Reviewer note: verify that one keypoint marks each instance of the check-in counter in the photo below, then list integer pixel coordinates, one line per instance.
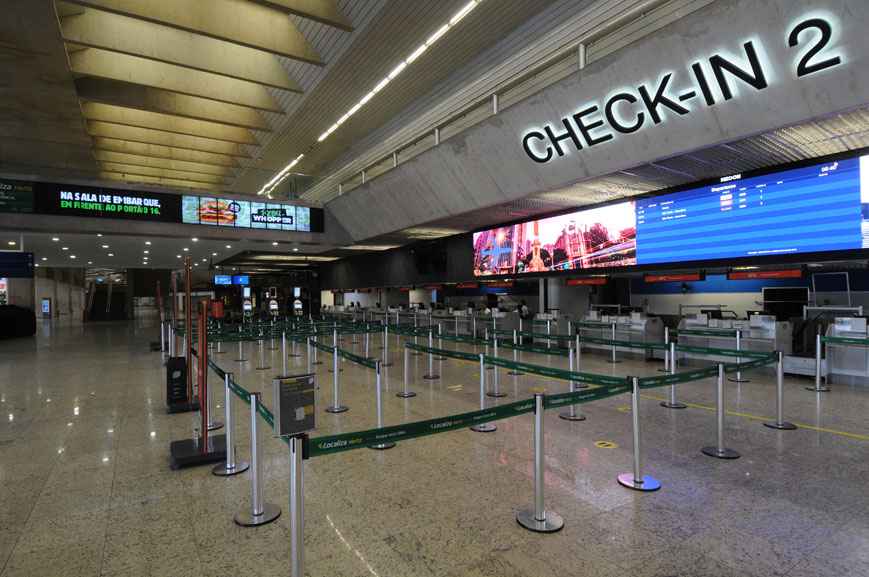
(634, 327)
(847, 363)
(758, 333)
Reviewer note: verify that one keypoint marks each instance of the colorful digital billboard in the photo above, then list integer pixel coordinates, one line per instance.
(819, 208)
(245, 214)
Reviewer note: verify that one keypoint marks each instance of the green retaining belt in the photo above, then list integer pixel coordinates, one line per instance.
(359, 359)
(846, 341)
(722, 352)
(328, 445)
(322, 347)
(586, 378)
(462, 339)
(708, 332)
(460, 355)
(675, 379)
(624, 344)
(540, 349)
(585, 396)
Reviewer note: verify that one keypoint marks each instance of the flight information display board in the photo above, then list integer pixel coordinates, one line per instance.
(74, 200)
(16, 196)
(809, 209)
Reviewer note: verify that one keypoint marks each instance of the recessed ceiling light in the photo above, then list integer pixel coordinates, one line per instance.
(45, 258)
(214, 254)
(185, 249)
(111, 254)
(148, 242)
(146, 252)
(274, 244)
(194, 239)
(99, 234)
(229, 246)
(55, 239)
(205, 260)
(72, 256)
(177, 256)
(37, 264)
(195, 264)
(64, 248)
(295, 249)
(105, 246)
(11, 243)
(90, 262)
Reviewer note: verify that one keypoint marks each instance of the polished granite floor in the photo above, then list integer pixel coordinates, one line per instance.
(85, 487)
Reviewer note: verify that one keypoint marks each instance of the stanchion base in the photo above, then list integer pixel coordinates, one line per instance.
(239, 360)
(293, 355)
(386, 364)
(735, 380)
(676, 405)
(222, 471)
(269, 514)
(783, 426)
(273, 349)
(406, 395)
(515, 373)
(317, 363)
(567, 416)
(263, 368)
(495, 395)
(219, 352)
(188, 452)
(484, 428)
(382, 446)
(552, 523)
(415, 354)
(724, 454)
(183, 407)
(490, 368)
(440, 358)
(648, 483)
(613, 362)
(431, 377)
(339, 370)
(215, 425)
(338, 409)
(823, 389)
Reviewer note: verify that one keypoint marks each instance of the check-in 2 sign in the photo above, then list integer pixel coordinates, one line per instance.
(627, 111)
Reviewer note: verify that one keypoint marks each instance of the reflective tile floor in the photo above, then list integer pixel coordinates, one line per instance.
(85, 487)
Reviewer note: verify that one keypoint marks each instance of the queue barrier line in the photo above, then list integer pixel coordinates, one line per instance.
(707, 332)
(845, 341)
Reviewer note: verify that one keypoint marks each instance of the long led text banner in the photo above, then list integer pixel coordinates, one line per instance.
(74, 200)
(819, 208)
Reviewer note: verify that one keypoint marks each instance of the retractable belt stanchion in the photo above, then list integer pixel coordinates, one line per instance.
(666, 368)
(308, 348)
(571, 413)
(779, 422)
(474, 326)
(163, 347)
(483, 427)
(240, 358)
(415, 337)
(636, 480)
(521, 336)
(440, 342)
(262, 354)
(496, 385)
(335, 349)
(283, 352)
(613, 359)
(367, 339)
(538, 519)
(385, 362)
(336, 407)
(430, 376)
(738, 378)
(272, 346)
(231, 466)
(314, 349)
(579, 360)
(720, 451)
(548, 333)
(260, 512)
(379, 385)
(820, 385)
(672, 403)
(213, 424)
(297, 507)
(515, 372)
(293, 353)
(406, 394)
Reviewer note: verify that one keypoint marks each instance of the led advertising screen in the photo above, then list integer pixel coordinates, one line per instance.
(810, 209)
(245, 214)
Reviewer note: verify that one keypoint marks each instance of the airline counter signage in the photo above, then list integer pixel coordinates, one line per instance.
(765, 274)
(745, 66)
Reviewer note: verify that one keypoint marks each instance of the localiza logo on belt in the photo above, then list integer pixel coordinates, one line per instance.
(628, 110)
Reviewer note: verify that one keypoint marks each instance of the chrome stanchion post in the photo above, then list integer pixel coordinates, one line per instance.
(335, 350)
(308, 348)
(297, 507)
(666, 368)
(440, 342)
(635, 479)
(820, 386)
(548, 333)
(521, 336)
(738, 378)
(262, 355)
(367, 340)
(579, 359)
(613, 359)
(720, 451)
(779, 422)
(538, 519)
(406, 394)
(336, 407)
(483, 427)
(496, 385)
(283, 352)
(240, 358)
(260, 512)
(571, 414)
(231, 466)
(162, 336)
(315, 350)
(385, 362)
(474, 326)
(515, 372)
(212, 424)
(672, 403)
(430, 376)
(386, 444)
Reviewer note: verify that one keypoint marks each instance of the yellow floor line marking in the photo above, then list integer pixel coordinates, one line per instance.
(857, 436)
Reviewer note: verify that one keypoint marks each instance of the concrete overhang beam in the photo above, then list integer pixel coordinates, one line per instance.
(149, 136)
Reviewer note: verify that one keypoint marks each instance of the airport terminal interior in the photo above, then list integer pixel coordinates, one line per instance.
(415, 288)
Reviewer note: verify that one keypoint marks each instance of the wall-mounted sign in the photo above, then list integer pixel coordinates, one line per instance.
(16, 196)
(682, 277)
(720, 78)
(764, 274)
(294, 401)
(587, 281)
(499, 284)
(90, 201)
(241, 279)
(222, 279)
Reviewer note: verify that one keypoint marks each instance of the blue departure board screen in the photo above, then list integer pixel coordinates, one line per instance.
(811, 209)
(808, 209)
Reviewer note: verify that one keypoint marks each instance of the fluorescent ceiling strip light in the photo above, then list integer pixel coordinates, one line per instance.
(463, 12)
(279, 178)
